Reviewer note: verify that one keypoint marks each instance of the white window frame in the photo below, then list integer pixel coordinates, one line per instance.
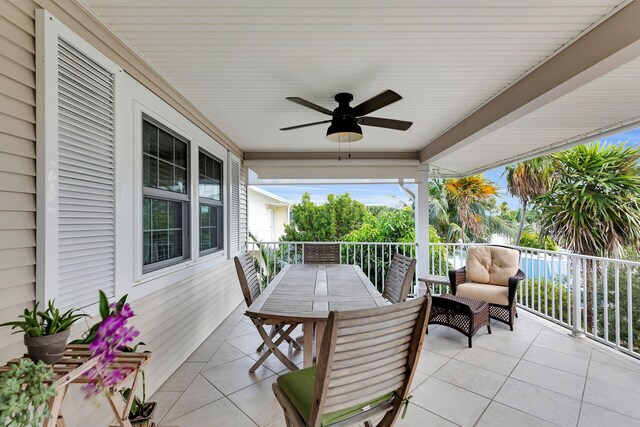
(158, 194)
(132, 100)
(222, 203)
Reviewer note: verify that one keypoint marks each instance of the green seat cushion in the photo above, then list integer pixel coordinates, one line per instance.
(298, 386)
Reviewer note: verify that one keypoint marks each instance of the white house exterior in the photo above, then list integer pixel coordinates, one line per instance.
(268, 214)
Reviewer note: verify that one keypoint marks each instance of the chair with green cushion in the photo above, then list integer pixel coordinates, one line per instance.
(365, 367)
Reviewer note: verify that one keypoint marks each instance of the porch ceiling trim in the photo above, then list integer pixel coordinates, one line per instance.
(346, 169)
(331, 155)
(82, 20)
(609, 45)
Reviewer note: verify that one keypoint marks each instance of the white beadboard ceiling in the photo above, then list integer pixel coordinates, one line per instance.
(604, 103)
(238, 60)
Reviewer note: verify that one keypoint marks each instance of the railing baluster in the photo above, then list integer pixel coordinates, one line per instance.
(375, 269)
(527, 278)
(585, 300)
(594, 297)
(553, 286)
(561, 288)
(538, 265)
(617, 301)
(383, 267)
(570, 290)
(605, 300)
(546, 286)
(369, 261)
(629, 308)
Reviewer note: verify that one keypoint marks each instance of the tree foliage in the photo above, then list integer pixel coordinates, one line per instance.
(593, 204)
(525, 181)
(533, 240)
(327, 222)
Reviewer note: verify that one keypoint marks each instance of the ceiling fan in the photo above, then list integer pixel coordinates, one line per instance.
(346, 120)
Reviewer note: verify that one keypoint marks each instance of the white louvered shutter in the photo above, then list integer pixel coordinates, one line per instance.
(86, 178)
(234, 205)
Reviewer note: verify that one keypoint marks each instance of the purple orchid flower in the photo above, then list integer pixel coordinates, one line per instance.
(112, 336)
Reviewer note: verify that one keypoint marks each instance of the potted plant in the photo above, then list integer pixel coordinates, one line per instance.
(106, 310)
(45, 332)
(141, 413)
(24, 392)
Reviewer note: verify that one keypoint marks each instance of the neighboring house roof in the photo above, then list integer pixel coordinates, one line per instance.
(277, 199)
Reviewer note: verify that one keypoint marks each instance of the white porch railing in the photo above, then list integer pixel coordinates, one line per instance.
(589, 295)
(373, 257)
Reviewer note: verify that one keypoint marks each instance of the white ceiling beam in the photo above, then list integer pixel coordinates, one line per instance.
(606, 47)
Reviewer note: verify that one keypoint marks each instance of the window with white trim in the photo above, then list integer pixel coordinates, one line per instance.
(211, 204)
(166, 196)
(113, 215)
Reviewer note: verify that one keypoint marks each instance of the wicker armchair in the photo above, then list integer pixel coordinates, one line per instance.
(321, 253)
(492, 274)
(399, 278)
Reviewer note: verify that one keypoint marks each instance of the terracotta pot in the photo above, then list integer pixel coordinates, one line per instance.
(49, 348)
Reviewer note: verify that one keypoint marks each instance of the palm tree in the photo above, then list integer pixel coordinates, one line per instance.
(525, 181)
(467, 196)
(593, 204)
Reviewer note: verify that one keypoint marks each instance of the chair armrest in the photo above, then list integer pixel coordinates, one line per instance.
(457, 277)
(513, 284)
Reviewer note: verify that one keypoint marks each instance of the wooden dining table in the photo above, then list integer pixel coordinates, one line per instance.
(306, 293)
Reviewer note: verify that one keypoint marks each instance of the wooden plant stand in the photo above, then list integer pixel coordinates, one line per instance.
(71, 369)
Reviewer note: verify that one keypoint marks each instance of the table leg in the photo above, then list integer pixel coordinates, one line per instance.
(308, 344)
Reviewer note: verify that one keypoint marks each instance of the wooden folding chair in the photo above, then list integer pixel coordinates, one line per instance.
(366, 364)
(399, 278)
(280, 330)
(321, 253)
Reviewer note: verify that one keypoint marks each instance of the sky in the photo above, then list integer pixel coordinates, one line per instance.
(392, 195)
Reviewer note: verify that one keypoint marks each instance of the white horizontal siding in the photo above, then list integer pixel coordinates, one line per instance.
(17, 168)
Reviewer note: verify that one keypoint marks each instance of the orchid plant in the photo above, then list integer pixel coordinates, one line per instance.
(111, 337)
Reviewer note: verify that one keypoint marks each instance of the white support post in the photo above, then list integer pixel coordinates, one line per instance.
(422, 224)
(576, 330)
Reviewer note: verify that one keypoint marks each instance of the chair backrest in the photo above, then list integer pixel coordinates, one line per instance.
(248, 277)
(326, 253)
(399, 278)
(367, 354)
(492, 264)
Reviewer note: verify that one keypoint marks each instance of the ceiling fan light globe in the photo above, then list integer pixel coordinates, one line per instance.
(344, 132)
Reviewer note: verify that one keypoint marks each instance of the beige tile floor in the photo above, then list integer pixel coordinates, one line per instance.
(535, 376)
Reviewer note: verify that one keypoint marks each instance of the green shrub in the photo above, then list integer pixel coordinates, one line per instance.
(24, 393)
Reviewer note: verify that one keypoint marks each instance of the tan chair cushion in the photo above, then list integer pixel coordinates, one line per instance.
(491, 264)
(492, 294)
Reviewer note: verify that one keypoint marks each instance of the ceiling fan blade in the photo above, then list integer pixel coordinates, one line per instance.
(311, 105)
(385, 123)
(372, 104)
(305, 125)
